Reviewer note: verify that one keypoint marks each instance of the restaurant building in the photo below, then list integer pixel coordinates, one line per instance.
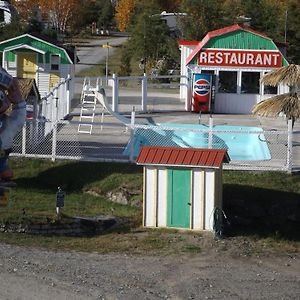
(222, 73)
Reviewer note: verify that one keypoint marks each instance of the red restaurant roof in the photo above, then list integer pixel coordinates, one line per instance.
(188, 157)
(188, 43)
(218, 32)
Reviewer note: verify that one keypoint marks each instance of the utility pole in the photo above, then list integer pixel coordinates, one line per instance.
(107, 46)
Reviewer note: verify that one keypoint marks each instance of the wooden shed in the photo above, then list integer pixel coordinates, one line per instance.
(182, 186)
(36, 57)
(32, 97)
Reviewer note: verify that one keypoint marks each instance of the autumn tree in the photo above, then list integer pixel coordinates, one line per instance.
(124, 12)
(59, 12)
(24, 7)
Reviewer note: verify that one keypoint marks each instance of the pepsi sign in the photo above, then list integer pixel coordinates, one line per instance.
(201, 92)
(202, 87)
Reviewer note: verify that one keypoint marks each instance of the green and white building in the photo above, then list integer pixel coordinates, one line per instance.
(237, 57)
(32, 56)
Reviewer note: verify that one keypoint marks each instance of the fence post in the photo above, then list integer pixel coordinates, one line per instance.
(54, 140)
(24, 139)
(68, 94)
(144, 92)
(57, 103)
(115, 93)
(44, 106)
(132, 129)
(210, 133)
(290, 147)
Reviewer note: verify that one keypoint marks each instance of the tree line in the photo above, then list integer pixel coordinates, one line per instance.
(151, 44)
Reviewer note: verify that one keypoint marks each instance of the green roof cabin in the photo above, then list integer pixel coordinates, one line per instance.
(36, 57)
(222, 72)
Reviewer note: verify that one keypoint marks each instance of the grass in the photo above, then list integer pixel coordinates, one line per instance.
(87, 184)
(34, 198)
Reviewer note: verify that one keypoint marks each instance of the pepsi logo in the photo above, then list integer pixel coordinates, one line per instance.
(202, 87)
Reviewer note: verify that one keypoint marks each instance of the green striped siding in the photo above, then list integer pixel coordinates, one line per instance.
(240, 39)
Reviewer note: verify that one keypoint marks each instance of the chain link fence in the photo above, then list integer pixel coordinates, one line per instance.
(114, 142)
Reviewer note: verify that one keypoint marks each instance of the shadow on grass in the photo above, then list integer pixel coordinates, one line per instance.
(72, 177)
(261, 212)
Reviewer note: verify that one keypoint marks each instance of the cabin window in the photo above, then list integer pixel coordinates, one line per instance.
(250, 83)
(55, 60)
(227, 82)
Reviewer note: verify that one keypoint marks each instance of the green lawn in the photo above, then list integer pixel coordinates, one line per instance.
(268, 200)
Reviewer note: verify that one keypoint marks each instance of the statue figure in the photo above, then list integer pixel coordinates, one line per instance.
(10, 122)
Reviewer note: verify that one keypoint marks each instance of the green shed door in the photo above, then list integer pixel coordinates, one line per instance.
(179, 192)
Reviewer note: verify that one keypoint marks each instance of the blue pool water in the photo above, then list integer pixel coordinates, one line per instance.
(240, 145)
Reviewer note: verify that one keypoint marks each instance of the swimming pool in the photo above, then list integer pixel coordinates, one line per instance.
(240, 143)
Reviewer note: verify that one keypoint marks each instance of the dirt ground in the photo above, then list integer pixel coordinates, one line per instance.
(211, 274)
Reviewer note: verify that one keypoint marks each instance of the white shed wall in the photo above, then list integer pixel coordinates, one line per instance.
(162, 177)
(150, 197)
(206, 195)
(198, 199)
(209, 199)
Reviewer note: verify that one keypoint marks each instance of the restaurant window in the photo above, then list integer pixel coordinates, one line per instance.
(227, 82)
(208, 72)
(270, 90)
(55, 60)
(250, 83)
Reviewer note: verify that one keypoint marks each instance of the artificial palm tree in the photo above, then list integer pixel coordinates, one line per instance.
(289, 103)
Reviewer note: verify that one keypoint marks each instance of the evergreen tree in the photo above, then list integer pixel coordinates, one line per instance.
(34, 23)
(13, 29)
(293, 32)
(125, 67)
(106, 14)
(202, 16)
(267, 16)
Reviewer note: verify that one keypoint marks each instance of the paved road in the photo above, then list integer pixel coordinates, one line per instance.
(93, 52)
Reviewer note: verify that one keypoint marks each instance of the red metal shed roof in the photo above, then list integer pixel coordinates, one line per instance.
(188, 157)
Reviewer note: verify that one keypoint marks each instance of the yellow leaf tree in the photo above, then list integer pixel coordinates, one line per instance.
(124, 12)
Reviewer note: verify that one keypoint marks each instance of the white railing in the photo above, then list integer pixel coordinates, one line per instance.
(142, 85)
(56, 103)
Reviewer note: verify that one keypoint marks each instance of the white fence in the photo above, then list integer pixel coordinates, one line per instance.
(52, 137)
(139, 87)
(56, 104)
(110, 142)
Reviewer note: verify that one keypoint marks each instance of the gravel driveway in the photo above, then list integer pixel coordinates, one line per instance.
(39, 274)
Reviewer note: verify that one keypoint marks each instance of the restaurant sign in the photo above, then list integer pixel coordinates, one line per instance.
(239, 58)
